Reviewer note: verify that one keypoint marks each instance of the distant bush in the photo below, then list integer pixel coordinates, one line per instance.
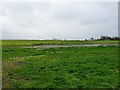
(109, 38)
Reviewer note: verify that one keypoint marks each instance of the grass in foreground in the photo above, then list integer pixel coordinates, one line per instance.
(71, 67)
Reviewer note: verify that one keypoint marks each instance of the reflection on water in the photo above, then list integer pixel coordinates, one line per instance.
(77, 45)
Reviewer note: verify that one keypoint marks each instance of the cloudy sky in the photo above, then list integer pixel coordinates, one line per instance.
(65, 20)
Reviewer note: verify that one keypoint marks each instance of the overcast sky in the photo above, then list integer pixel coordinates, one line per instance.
(65, 20)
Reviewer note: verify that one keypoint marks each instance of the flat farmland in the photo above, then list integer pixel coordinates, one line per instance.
(61, 67)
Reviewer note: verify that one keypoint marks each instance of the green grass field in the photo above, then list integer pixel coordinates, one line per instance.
(68, 67)
(42, 42)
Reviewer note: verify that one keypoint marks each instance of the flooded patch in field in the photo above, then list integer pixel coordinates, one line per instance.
(72, 45)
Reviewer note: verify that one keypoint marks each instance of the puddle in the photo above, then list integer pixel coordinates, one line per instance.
(77, 45)
(20, 63)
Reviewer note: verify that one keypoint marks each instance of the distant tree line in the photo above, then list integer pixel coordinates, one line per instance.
(106, 38)
(101, 38)
(109, 38)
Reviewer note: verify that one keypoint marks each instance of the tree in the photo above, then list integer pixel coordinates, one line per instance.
(92, 38)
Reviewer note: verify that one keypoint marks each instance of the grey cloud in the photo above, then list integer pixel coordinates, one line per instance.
(89, 13)
(58, 20)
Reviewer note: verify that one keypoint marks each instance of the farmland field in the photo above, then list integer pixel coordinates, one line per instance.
(62, 67)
